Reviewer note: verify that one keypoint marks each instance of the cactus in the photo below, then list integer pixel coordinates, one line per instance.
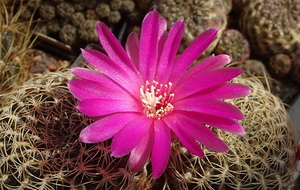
(53, 26)
(77, 18)
(271, 25)
(233, 44)
(68, 34)
(87, 30)
(264, 159)
(258, 69)
(47, 10)
(115, 4)
(280, 64)
(198, 17)
(127, 6)
(40, 147)
(114, 17)
(65, 10)
(228, 6)
(103, 10)
(65, 14)
(91, 15)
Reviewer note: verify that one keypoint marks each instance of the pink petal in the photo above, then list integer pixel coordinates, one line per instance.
(132, 47)
(140, 154)
(212, 107)
(222, 91)
(85, 89)
(162, 36)
(149, 45)
(209, 64)
(205, 80)
(106, 128)
(224, 123)
(88, 74)
(113, 47)
(192, 52)
(124, 77)
(97, 77)
(169, 51)
(98, 107)
(130, 136)
(161, 148)
(183, 135)
(203, 134)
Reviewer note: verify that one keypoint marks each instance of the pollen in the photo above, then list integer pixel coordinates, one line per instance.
(157, 99)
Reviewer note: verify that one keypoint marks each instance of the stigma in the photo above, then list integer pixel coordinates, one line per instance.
(157, 99)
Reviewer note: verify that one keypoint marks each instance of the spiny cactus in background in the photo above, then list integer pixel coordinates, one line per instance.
(40, 147)
(272, 26)
(198, 17)
(70, 17)
(280, 64)
(234, 44)
(15, 39)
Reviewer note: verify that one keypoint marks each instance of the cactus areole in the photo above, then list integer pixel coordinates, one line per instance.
(145, 95)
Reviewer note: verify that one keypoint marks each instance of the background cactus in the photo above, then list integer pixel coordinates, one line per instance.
(233, 44)
(64, 15)
(280, 64)
(198, 17)
(271, 26)
(15, 39)
(40, 147)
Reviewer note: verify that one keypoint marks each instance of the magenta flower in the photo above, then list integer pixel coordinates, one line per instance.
(145, 95)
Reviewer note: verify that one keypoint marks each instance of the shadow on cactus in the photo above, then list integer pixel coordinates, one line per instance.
(39, 148)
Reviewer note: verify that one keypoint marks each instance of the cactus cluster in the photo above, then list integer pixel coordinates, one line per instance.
(271, 26)
(198, 17)
(40, 147)
(273, 34)
(74, 20)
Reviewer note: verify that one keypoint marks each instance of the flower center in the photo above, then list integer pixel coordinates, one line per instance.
(157, 99)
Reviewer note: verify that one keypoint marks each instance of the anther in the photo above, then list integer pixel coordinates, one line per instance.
(157, 99)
